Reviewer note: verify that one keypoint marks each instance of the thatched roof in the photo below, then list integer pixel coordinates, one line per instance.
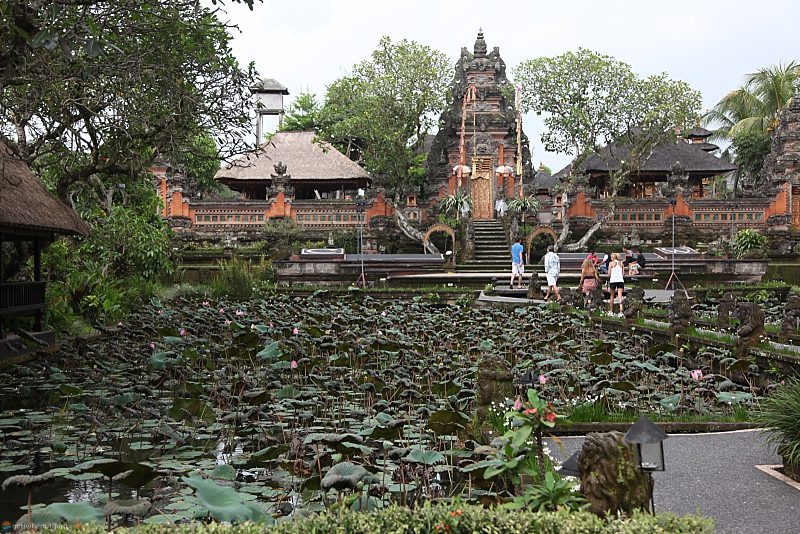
(692, 157)
(271, 85)
(305, 159)
(543, 180)
(25, 205)
(699, 131)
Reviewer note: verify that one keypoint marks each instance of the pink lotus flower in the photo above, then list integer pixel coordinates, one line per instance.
(152, 345)
(518, 404)
(380, 332)
(296, 331)
(294, 364)
(383, 314)
(205, 303)
(239, 313)
(543, 379)
(183, 332)
(697, 374)
(227, 322)
(222, 310)
(271, 325)
(160, 312)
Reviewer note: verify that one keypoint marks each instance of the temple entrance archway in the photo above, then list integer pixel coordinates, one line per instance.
(439, 227)
(537, 241)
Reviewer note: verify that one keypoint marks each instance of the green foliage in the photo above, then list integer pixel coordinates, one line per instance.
(552, 495)
(780, 416)
(754, 107)
(200, 162)
(302, 115)
(456, 205)
(452, 518)
(98, 86)
(100, 277)
(748, 243)
(590, 100)
(750, 149)
(529, 204)
(381, 111)
(281, 228)
(238, 277)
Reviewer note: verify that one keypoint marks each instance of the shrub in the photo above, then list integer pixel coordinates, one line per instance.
(780, 416)
(749, 243)
(237, 277)
(452, 519)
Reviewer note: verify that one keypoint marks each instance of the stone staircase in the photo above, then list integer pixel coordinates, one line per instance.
(492, 249)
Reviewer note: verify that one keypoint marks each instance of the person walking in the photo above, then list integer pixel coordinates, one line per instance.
(616, 280)
(590, 279)
(552, 268)
(517, 263)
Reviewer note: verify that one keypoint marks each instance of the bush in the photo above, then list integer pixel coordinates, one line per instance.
(451, 519)
(780, 416)
(749, 244)
(237, 278)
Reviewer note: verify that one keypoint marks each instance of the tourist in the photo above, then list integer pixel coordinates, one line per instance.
(590, 279)
(636, 263)
(552, 268)
(517, 263)
(594, 258)
(616, 271)
(602, 268)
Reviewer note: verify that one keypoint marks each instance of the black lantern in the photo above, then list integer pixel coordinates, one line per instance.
(570, 467)
(649, 440)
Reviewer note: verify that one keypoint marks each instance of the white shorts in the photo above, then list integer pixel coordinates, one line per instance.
(552, 279)
(517, 268)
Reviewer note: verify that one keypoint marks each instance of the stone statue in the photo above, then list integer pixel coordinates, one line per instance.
(611, 478)
(791, 315)
(634, 304)
(571, 297)
(726, 306)
(596, 299)
(281, 182)
(680, 313)
(751, 325)
(534, 288)
(495, 382)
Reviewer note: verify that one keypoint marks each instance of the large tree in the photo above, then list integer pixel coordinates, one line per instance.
(382, 110)
(96, 89)
(591, 101)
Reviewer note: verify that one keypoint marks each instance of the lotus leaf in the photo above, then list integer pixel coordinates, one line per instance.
(344, 475)
(222, 503)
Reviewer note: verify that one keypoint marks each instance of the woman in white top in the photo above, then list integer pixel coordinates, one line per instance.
(616, 271)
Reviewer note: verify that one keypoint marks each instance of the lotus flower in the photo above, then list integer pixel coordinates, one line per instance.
(183, 332)
(222, 310)
(294, 364)
(697, 374)
(227, 322)
(296, 331)
(543, 379)
(239, 313)
(205, 303)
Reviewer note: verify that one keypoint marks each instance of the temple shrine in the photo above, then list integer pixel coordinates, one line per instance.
(480, 147)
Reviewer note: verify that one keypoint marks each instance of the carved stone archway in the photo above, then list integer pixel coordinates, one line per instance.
(539, 230)
(440, 227)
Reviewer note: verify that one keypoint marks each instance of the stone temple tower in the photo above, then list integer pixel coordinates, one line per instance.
(475, 149)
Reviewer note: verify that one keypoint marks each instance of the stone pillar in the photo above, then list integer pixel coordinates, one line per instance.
(611, 478)
(726, 306)
(751, 326)
(495, 382)
(680, 314)
(791, 315)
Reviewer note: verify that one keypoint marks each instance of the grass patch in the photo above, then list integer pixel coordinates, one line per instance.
(596, 413)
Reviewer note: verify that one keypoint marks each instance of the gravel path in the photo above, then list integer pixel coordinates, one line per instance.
(715, 475)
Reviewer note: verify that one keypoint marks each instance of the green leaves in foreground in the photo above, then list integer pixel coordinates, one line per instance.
(224, 503)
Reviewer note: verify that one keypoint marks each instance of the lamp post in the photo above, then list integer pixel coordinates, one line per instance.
(361, 206)
(649, 440)
(268, 98)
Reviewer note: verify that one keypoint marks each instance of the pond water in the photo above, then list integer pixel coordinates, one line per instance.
(282, 389)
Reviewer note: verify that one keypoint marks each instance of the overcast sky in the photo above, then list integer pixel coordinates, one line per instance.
(711, 44)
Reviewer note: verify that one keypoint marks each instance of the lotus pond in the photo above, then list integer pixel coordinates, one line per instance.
(199, 406)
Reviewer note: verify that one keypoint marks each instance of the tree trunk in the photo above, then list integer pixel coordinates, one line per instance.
(411, 232)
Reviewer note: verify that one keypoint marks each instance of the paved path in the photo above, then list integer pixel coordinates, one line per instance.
(715, 475)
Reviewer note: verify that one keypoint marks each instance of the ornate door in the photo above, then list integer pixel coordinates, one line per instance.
(481, 188)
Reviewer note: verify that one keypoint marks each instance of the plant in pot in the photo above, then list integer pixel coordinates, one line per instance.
(780, 417)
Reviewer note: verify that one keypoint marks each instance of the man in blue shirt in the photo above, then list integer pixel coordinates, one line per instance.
(517, 263)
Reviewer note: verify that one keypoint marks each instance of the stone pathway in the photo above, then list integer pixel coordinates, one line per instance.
(715, 475)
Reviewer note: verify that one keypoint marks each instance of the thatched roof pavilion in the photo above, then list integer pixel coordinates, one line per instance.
(310, 163)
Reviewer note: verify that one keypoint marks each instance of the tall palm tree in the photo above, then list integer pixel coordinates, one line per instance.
(754, 107)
